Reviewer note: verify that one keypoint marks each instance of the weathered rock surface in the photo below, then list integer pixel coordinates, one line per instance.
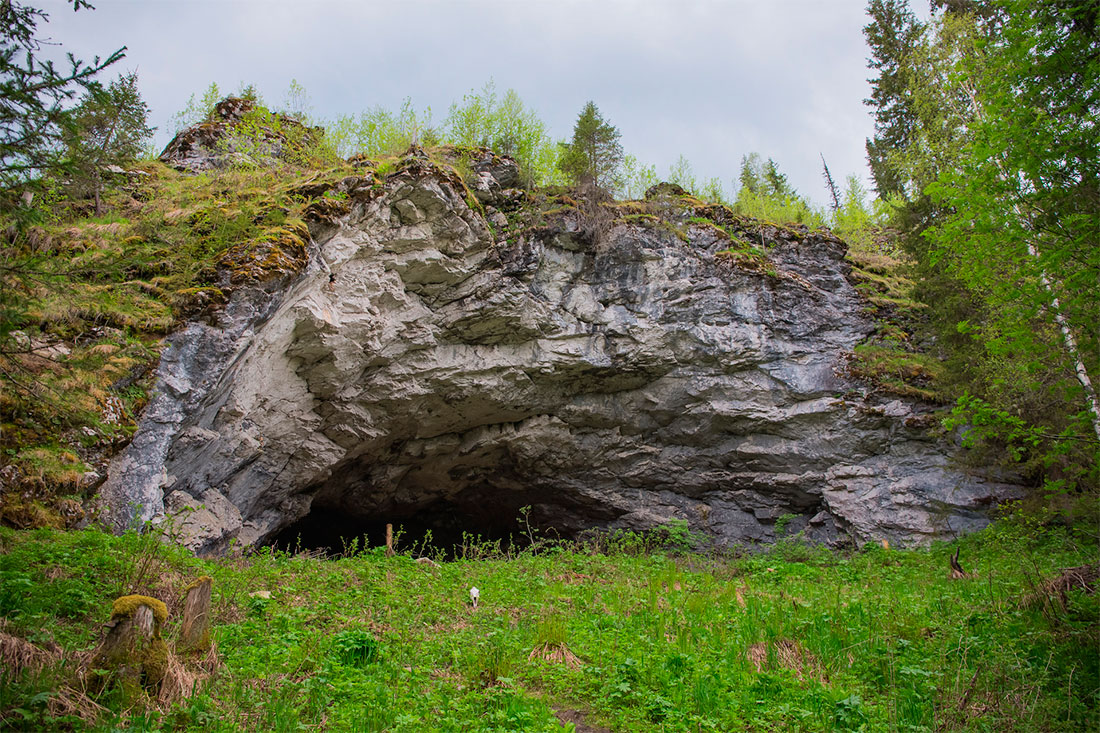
(220, 142)
(423, 365)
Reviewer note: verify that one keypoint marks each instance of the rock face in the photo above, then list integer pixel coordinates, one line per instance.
(607, 370)
(221, 141)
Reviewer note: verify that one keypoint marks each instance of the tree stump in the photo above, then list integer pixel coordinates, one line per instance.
(195, 629)
(957, 571)
(132, 655)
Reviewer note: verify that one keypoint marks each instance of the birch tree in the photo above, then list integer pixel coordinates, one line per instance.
(1013, 153)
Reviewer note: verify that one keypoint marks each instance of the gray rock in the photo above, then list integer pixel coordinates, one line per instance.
(205, 525)
(417, 368)
(219, 143)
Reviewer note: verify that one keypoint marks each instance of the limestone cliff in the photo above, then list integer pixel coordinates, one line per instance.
(440, 355)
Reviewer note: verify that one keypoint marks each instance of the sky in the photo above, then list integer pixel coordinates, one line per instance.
(711, 80)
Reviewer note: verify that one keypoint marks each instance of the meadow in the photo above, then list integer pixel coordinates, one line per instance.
(622, 632)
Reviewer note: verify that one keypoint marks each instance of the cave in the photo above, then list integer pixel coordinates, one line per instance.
(436, 530)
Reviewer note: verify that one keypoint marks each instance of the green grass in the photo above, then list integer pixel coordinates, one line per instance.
(796, 638)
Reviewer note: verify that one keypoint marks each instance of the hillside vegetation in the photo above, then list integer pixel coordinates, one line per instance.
(622, 632)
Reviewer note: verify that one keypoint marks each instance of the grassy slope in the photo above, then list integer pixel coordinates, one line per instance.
(795, 639)
(94, 297)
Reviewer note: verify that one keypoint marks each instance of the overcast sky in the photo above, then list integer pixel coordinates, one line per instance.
(709, 79)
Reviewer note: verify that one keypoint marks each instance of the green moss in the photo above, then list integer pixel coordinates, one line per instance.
(277, 252)
(127, 605)
(897, 371)
(197, 582)
(154, 661)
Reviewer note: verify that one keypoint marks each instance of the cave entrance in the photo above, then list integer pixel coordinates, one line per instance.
(439, 531)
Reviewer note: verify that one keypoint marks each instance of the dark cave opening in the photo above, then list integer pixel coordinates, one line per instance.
(444, 530)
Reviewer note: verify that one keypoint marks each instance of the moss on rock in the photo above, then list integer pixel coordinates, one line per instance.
(278, 252)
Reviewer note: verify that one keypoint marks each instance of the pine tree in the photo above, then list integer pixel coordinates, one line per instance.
(595, 155)
(33, 94)
(108, 128)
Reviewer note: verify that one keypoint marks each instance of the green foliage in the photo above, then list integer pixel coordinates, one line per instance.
(792, 639)
(992, 159)
(108, 127)
(766, 194)
(380, 132)
(33, 97)
(198, 110)
(356, 648)
(299, 145)
(296, 103)
(781, 210)
(595, 155)
(860, 223)
(507, 127)
(636, 178)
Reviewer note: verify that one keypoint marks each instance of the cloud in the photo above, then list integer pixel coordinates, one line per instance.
(708, 79)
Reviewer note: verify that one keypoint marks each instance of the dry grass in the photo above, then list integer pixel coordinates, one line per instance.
(69, 701)
(1082, 577)
(18, 654)
(787, 654)
(556, 653)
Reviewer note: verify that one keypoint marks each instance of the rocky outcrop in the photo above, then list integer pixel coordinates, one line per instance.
(239, 133)
(617, 367)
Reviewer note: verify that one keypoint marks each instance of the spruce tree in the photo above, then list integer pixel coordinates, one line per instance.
(892, 35)
(776, 183)
(33, 94)
(595, 156)
(108, 128)
(830, 184)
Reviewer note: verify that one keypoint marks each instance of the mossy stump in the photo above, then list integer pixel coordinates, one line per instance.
(133, 655)
(195, 628)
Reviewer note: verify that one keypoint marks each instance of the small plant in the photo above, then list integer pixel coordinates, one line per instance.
(356, 648)
(782, 523)
(676, 536)
(493, 664)
(550, 643)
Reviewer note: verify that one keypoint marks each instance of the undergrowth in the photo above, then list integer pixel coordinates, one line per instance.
(638, 632)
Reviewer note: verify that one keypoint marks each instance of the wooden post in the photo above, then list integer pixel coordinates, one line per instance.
(389, 540)
(133, 652)
(195, 629)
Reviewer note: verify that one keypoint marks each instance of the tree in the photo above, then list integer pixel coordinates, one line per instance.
(507, 126)
(996, 164)
(776, 182)
(108, 127)
(752, 173)
(595, 155)
(891, 35)
(830, 184)
(33, 93)
(763, 178)
(1023, 190)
